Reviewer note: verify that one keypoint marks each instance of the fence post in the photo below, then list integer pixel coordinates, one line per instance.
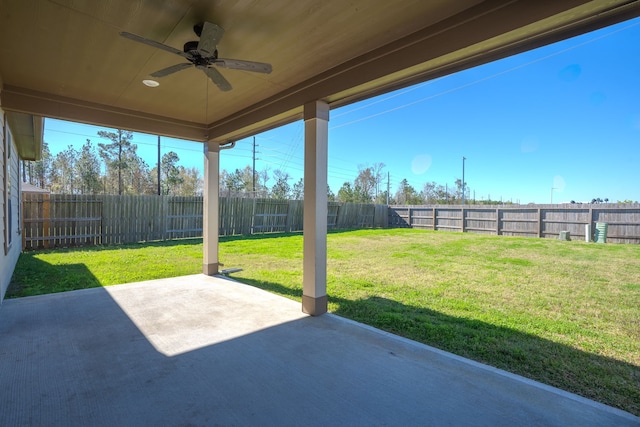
(539, 222)
(434, 218)
(409, 219)
(163, 217)
(24, 228)
(497, 221)
(287, 220)
(253, 217)
(462, 218)
(46, 214)
(389, 222)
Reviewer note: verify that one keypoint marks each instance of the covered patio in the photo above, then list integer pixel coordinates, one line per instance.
(70, 61)
(200, 351)
(204, 350)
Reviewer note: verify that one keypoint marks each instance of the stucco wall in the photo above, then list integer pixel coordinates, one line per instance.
(9, 190)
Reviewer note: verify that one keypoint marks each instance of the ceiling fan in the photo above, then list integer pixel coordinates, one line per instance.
(203, 55)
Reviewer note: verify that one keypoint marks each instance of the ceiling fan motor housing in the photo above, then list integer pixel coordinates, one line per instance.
(192, 48)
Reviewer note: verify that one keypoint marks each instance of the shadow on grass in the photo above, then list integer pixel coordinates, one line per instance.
(45, 278)
(175, 242)
(267, 236)
(154, 244)
(610, 381)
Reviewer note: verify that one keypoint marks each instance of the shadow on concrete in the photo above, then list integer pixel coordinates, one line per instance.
(611, 381)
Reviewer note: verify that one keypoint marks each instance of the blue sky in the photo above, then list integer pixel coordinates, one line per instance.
(565, 116)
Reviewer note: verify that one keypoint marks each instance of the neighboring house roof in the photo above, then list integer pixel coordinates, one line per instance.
(30, 188)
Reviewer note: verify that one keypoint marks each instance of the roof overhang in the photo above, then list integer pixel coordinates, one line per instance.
(335, 52)
(500, 30)
(27, 131)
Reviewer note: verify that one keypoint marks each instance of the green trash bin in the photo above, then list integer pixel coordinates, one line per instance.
(601, 232)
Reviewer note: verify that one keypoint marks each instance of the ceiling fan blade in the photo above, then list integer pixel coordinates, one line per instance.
(209, 39)
(171, 70)
(217, 78)
(238, 64)
(155, 44)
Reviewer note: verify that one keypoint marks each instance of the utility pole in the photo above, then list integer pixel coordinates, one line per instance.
(159, 191)
(388, 186)
(119, 162)
(463, 159)
(254, 167)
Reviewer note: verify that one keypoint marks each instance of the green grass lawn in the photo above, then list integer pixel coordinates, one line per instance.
(563, 313)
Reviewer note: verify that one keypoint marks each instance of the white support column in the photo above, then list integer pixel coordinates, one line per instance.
(316, 133)
(210, 226)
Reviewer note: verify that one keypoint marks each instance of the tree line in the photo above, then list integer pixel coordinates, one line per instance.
(111, 167)
(371, 185)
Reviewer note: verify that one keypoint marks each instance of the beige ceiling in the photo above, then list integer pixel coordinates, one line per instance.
(65, 58)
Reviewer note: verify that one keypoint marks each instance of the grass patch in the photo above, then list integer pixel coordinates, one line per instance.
(61, 270)
(563, 313)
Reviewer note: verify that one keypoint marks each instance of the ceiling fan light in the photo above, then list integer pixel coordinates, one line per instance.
(150, 83)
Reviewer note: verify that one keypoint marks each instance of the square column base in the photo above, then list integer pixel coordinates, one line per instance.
(314, 306)
(210, 269)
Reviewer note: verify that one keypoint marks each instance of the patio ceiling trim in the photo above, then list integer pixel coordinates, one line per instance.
(58, 107)
(431, 53)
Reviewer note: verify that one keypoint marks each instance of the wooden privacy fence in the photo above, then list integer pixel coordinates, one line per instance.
(55, 220)
(531, 220)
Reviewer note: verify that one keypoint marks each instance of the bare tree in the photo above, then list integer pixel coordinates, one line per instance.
(365, 182)
(63, 172)
(378, 175)
(281, 188)
(297, 192)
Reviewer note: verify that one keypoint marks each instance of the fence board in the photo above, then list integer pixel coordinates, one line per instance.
(530, 221)
(60, 220)
(74, 220)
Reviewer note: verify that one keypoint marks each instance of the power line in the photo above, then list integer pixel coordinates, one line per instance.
(394, 95)
(137, 142)
(254, 166)
(464, 86)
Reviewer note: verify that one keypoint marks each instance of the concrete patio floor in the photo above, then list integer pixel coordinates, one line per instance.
(200, 350)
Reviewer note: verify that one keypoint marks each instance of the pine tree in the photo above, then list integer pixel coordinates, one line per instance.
(88, 170)
(115, 153)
